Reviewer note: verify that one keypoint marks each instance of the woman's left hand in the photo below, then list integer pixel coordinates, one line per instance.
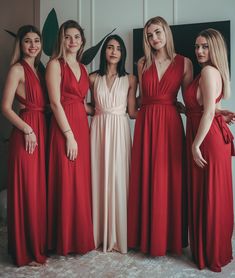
(180, 107)
(197, 157)
(228, 116)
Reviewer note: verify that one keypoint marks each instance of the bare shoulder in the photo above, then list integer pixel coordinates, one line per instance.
(141, 62)
(92, 77)
(132, 78)
(54, 64)
(53, 68)
(210, 72)
(187, 62)
(16, 71)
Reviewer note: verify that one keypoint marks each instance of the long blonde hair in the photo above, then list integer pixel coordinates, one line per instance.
(218, 56)
(59, 51)
(148, 50)
(18, 54)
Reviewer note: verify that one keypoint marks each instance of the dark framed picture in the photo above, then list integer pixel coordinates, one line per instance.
(184, 36)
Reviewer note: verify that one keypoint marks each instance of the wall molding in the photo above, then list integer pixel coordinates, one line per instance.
(79, 11)
(175, 11)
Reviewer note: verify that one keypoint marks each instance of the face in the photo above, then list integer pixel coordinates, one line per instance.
(202, 50)
(156, 36)
(113, 52)
(31, 45)
(72, 40)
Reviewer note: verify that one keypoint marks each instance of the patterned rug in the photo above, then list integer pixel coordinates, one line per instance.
(109, 265)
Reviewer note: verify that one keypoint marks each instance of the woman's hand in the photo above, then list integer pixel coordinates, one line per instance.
(180, 107)
(30, 142)
(71, 147)
(228, 116)
(197, 156)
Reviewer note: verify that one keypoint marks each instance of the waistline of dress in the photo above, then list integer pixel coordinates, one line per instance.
(157, 101)
(118, 110)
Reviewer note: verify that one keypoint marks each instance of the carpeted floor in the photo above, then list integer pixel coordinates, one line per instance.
(109, 265)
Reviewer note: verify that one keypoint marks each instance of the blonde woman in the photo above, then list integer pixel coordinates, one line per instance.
(69, 183)
(26, 167)
(157, 222)
(209, 146)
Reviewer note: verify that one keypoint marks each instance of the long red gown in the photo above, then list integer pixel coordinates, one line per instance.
(69, 182)
(157, 220)
(210, 188)
(27, 179)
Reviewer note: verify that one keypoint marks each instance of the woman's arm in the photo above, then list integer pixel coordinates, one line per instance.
(188, 74)
(140, 68)
(53, 80)
(91, 106)
(14, 82)
(131, 98)
(208, 92)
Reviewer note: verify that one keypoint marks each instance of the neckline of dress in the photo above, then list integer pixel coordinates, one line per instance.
(114, 81)
(27, 65)
(167, 69)
(77, 80)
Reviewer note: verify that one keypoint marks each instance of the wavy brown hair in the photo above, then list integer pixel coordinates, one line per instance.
(59, 49)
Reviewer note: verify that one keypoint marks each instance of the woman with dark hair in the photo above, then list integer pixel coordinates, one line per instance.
(209, 150)
(113, 93)
(26, 167)
(69, 186)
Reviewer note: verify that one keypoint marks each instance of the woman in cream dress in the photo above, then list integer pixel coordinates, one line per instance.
(113, 94)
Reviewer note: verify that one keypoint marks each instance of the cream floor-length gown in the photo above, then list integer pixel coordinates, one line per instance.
(110, 163)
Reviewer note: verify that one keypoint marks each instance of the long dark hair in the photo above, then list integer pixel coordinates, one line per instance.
(59, 50)
(121, 64)
(18, 54)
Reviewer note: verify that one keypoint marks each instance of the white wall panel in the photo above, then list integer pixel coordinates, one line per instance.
(162, 8)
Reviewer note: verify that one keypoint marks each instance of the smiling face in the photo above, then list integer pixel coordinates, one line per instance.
(113, 52)
(72, 40)
(202, 51)
(156, 36)
(31, 45)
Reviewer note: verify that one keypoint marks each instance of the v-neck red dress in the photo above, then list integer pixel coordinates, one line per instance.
(27, 179)
(157, 220)
(210, 188)
(69, 182)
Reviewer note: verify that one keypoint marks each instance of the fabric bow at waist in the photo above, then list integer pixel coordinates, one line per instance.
(157, 100)
(226, 133)
(68, 98)
(118, 110)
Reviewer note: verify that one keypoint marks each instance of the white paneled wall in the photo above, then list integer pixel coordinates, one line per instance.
(98, 17)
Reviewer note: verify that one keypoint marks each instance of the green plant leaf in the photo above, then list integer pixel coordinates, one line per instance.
(11, 33)
(49, 32)
(90, 53)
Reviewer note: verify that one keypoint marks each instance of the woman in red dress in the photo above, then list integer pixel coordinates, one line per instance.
(69, 183)
(157, 221)
(209, 149)
(26, 166)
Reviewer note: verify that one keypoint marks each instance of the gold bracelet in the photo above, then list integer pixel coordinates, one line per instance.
(31, 132)
(66, 131)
